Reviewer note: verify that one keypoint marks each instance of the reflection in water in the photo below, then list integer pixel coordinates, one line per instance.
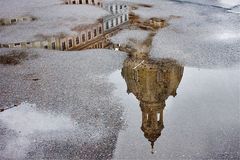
(152, 82)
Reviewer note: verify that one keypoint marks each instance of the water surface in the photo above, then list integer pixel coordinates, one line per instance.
(200, 122)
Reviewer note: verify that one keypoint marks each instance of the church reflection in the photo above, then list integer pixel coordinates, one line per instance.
(152, 82)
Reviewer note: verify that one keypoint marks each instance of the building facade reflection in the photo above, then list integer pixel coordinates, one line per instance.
(152, 82)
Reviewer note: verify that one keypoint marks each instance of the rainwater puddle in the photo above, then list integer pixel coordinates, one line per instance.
(201, 121)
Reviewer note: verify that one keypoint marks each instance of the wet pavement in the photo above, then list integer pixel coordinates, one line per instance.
(69, 113)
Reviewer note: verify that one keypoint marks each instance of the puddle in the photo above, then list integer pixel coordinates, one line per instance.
(176, 112)
(171, 111)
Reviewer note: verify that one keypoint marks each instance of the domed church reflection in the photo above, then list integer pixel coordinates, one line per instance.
(152, 82)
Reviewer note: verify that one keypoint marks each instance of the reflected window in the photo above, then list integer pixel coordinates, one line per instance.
(121, 19)
(74, 2)
(17, 44)
(158, 117)
(13, 20)
(116, 21)
(93, 2)
(63, 46)
(70, 43)
(77, 40)
(107, 25)
(95, 32)
(89, 35)
(86, 1)
(5, 45)
(112, 23)
(125, 17)
(83, 38)
(80, 1)
(53, 45)
(111, 8)
(100, 30)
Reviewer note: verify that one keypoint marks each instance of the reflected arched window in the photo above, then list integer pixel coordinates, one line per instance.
(63, 46)
(83, 38)
(70, 44)
(53, 45)
(100, 30)
(95, 33)
(89, 35)
(77, 40)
